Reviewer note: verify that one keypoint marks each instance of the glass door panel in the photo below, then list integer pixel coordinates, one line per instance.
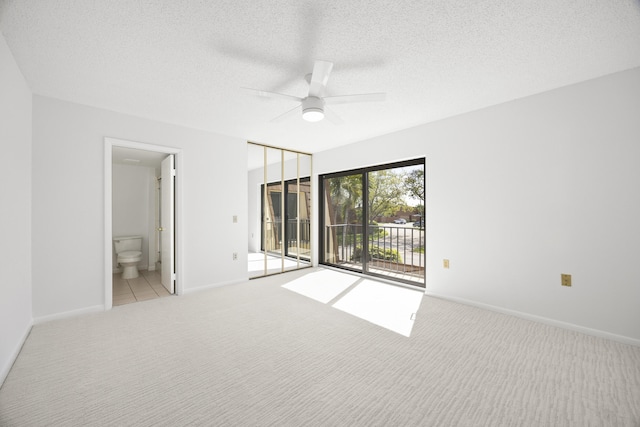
(299, 219)
(279, 215)
(256, 172)
(343, 233)
(272, 231)
(395, 203)
(272, 220)
(305, 198)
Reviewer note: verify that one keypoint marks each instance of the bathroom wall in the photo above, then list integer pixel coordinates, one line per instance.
(133, 212)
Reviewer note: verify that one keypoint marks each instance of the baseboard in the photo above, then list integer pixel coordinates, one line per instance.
(66, 314)
(548, 321)
(212, 286)
(7, 368)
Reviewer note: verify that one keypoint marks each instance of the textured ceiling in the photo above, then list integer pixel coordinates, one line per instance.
(184, 62)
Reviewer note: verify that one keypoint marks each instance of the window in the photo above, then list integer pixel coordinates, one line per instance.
(372, 221)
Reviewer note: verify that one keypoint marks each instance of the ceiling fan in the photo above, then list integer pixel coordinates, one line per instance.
(313, 106)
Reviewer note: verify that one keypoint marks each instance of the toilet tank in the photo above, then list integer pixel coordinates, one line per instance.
(127, 243)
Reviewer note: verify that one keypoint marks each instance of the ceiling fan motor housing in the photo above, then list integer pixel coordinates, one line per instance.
(313, 108)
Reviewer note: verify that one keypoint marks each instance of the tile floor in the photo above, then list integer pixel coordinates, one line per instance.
(146, 286)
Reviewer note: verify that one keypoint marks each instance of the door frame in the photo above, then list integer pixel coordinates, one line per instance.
(109, 143)
(364, 173)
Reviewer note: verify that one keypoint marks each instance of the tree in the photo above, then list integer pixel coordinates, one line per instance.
(414, 184)
(346, 195)
(385, 193)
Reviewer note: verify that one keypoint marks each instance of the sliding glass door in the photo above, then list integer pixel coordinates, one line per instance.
(271, 226)
(288, 214)
(343, 231)
(279, 210)
(298, 218)
(373, 221)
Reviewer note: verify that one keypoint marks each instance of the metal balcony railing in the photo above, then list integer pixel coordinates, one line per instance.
(390, 250)
(298, 241)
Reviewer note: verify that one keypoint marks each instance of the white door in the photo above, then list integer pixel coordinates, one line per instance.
(167, 224)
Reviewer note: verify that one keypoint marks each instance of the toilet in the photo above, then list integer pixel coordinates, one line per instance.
(128, 254)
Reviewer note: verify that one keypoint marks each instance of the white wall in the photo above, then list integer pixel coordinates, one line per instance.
(132, 205)
(524, 191)
(68, 202)
(15, 209)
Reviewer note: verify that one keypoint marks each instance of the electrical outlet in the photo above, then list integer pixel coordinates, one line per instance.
(235, 256)
(565, 280)
(235, 219)
(445, 263)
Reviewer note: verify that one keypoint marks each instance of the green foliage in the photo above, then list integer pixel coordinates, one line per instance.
(375, 232)
(388, 191)
(355, 237)
(346, 199)
(376, 252)
(385, 193)
(414, 184)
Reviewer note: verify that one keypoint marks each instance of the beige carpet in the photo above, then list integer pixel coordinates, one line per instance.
(257, 354)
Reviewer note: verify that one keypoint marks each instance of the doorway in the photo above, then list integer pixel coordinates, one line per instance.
(138, 204)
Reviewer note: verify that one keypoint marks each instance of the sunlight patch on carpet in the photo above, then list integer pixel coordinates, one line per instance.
(392, 307)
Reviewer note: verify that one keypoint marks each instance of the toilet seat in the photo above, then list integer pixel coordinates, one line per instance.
(129, 256)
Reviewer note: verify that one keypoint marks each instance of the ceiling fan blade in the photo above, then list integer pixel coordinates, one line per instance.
(365, 97)
(332, 117)
(319, 78)
(267, 94)
(296, 111)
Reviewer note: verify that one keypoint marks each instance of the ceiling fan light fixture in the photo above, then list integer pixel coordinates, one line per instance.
(312, 105)
(313, 114)
(312, 109)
